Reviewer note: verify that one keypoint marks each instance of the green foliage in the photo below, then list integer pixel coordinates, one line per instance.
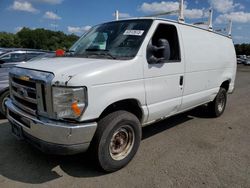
(242, 49)
(9, 40)
(37, 39)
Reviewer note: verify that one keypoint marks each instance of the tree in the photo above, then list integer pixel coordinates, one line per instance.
(242, 49)
(37, 39)
(9, 40)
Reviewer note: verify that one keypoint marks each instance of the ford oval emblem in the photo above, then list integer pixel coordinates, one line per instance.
(25, 78)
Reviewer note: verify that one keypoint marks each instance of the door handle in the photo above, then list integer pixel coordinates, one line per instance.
(181, 81)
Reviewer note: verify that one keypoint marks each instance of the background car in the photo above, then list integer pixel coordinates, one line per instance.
(247, 62)
(10, 59)
(15, 56)
(4, 88)
(4, 50)
(241, 59)
(43, 56)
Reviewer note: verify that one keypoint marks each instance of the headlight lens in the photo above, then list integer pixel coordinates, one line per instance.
(69, 102)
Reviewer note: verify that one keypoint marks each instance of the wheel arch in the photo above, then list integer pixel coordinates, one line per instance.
(3, 90)
(225, 84)
(131, 105)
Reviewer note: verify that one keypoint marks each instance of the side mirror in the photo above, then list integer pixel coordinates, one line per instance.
(159, 53)
(151, 50)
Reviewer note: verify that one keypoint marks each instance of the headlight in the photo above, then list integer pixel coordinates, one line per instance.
(69, 102)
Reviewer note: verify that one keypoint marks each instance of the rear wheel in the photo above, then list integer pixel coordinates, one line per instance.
(116, 140)
(3, 98)
(218, 105)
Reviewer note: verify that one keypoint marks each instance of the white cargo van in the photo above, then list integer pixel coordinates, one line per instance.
(118, 77)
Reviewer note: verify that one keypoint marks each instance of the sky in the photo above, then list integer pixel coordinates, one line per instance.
(77, 16)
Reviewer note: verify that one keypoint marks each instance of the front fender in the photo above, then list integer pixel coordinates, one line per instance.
(101, 96)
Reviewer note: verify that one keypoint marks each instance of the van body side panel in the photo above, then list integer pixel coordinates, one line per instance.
(209, 61)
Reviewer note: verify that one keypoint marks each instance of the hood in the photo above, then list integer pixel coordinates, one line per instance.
(62, 65)
(82, 71)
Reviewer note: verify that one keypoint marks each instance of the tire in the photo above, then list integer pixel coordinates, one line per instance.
(218, 105)
(116, 140)
(3, 98)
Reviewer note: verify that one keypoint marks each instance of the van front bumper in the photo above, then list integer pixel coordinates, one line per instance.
(54, 137)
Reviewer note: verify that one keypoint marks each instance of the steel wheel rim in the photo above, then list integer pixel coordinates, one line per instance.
(221, 102)
(121, 143)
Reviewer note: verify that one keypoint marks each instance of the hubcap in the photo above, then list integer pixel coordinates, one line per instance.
(121, 143)
(221, 102)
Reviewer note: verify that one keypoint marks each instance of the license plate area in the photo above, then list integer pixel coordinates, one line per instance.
(17, 131)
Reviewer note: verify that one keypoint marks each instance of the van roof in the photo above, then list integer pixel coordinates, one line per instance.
(174, 21)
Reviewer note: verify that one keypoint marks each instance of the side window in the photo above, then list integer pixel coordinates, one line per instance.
(164, 45)
(6, 58)
(31, 55)
(17, 57)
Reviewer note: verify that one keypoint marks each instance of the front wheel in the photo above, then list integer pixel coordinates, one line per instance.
(3, 98)
(218, 105)
(116, 140)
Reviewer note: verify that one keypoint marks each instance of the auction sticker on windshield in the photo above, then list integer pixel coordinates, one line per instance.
(134, 32)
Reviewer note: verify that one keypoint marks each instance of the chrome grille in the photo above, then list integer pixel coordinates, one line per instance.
(24, 94)
(31, 91)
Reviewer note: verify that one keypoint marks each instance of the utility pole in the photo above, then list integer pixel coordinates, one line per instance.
(116, 15)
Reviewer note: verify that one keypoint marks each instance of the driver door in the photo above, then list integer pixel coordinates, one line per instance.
(164, 80)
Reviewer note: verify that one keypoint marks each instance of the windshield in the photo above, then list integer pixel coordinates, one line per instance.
(115, 40)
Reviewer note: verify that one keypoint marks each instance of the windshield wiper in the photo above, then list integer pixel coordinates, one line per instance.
(69, 52)
(102, 52)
